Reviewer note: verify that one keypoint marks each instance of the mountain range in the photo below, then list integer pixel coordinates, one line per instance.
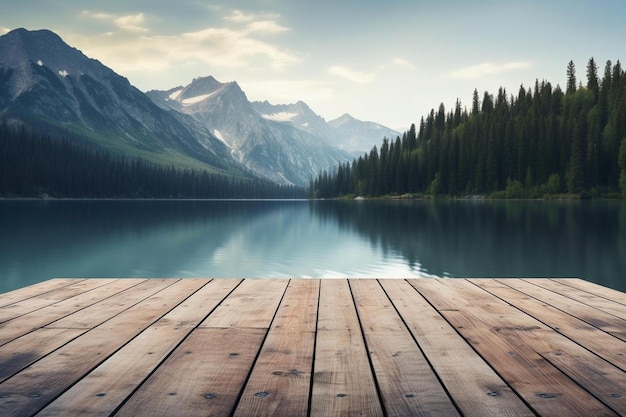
(49, 86)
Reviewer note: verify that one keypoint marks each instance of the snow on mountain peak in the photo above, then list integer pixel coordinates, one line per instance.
(197, 99)
(174, 95)
(282, 116)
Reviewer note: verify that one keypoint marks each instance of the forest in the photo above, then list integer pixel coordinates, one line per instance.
(543, 142)
(38, 165)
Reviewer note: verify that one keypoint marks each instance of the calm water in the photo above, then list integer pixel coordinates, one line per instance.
(256, 239)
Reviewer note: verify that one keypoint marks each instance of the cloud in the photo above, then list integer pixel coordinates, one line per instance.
(131, 49)
(289, 91)
(404, 64)
(239, 16)
(487, 68)
(259, 23)
(133, 23)
(354, 76)
(4, 30)
(265, 26)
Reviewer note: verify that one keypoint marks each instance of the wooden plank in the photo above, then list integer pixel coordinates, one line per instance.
(106, 387)
(475, 388)
(22, 325)
(19, 308)
(252, 304)
(282, 371)
(35, 290)
(21, 352)
(203, 377)
(600, 303)
(36, 386)
(206, 373)
(407, 383)
(595, 289)
(343, 384)
(95, 314)
(581, 360)
(595, 376)
(577, 321)
(504, 337)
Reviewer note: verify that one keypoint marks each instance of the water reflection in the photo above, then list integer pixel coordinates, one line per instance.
(258, 239)
(250, 239)
(494, 238)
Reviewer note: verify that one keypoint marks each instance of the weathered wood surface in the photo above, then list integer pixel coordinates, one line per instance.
(323, 347)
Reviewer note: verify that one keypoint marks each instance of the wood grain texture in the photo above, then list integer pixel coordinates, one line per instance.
(36, 386)
(252, 304)
(549, 309)
(282, 372)
(408, 385)
(506, 338)
(477, 390)
(207, 371)
(26, 323)
(38, 301)
(343, 384)
(116, 378)
(41, 288)
(315, 347)
(25, 350)
(598, 290)
(608, 306)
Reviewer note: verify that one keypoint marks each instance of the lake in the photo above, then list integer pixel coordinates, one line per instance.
(43, 239)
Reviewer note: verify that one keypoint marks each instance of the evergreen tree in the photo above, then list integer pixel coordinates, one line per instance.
(475, 103)
(592, 78)
(571, 78)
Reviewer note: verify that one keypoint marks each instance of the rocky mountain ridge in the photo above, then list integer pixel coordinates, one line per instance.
(50, 86)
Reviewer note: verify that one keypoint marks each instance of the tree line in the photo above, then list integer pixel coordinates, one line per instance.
(35, 165)
(542, 141)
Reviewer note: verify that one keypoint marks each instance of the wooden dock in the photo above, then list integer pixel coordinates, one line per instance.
(311, 347)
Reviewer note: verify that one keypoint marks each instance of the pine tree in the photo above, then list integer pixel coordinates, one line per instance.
(475, 103)
(571, 78)
(592, 78)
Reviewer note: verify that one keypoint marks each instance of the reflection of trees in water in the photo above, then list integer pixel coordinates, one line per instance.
(493, 238)
(116, 237)
(98, 218)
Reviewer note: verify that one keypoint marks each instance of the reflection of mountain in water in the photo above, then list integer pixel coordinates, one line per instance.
(494, 238)
(117, 238)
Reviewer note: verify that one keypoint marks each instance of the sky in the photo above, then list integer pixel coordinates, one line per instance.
(388, 61)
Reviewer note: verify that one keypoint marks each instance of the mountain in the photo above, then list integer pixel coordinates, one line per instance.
(346, 133)
(357, 137)
(52, 87)
(299, 115)
(49, 86)
(269, 145)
